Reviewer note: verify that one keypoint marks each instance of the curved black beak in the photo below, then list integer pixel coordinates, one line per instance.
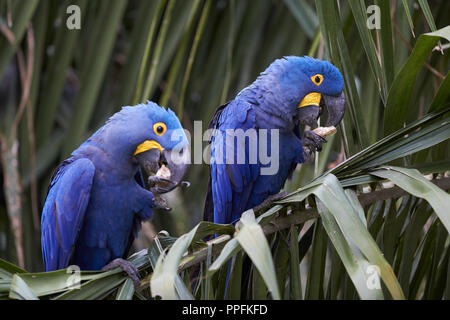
(335, 106)
(149, 160)
(176, 161)
(308, 115)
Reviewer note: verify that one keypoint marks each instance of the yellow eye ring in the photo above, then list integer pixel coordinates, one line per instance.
(317, 79)
(160, 128)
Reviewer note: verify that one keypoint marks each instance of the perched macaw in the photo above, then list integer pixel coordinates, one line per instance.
(292, 91)
(96, 199)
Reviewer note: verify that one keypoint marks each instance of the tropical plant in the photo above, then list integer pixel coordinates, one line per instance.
(373, 202)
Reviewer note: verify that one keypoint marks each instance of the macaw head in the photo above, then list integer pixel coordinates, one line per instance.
(146, 135)
(306, 87)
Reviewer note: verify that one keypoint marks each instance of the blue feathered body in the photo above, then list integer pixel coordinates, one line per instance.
(96, 200)
(238, 187)
(270, 102)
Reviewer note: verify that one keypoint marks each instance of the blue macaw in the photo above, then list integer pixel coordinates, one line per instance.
(292, 91)
(96, 199)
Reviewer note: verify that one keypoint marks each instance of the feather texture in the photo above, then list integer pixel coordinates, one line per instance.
(270, 103)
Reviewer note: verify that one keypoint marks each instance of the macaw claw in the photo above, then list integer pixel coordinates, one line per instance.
(313, 141)
(160, 203)
(126, 266)
(269, 201)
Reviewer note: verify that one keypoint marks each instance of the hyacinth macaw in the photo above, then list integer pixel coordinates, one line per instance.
(292, 91)
(96, 199)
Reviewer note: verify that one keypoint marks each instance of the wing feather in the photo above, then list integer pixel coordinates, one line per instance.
(231, 184)
(64, 210)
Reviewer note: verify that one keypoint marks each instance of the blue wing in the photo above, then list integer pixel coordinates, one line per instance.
(237, 187)
(64, 210)
(232, 185)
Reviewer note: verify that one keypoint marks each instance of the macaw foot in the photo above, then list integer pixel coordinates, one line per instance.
(266, 204)
(128, 267)
(313, 141)
(160, 202)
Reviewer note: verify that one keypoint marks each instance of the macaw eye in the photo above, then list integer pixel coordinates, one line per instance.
(159, 128)
(317, 79)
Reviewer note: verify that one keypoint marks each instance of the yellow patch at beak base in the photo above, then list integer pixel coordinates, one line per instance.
(148, 145)
(312, 99)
